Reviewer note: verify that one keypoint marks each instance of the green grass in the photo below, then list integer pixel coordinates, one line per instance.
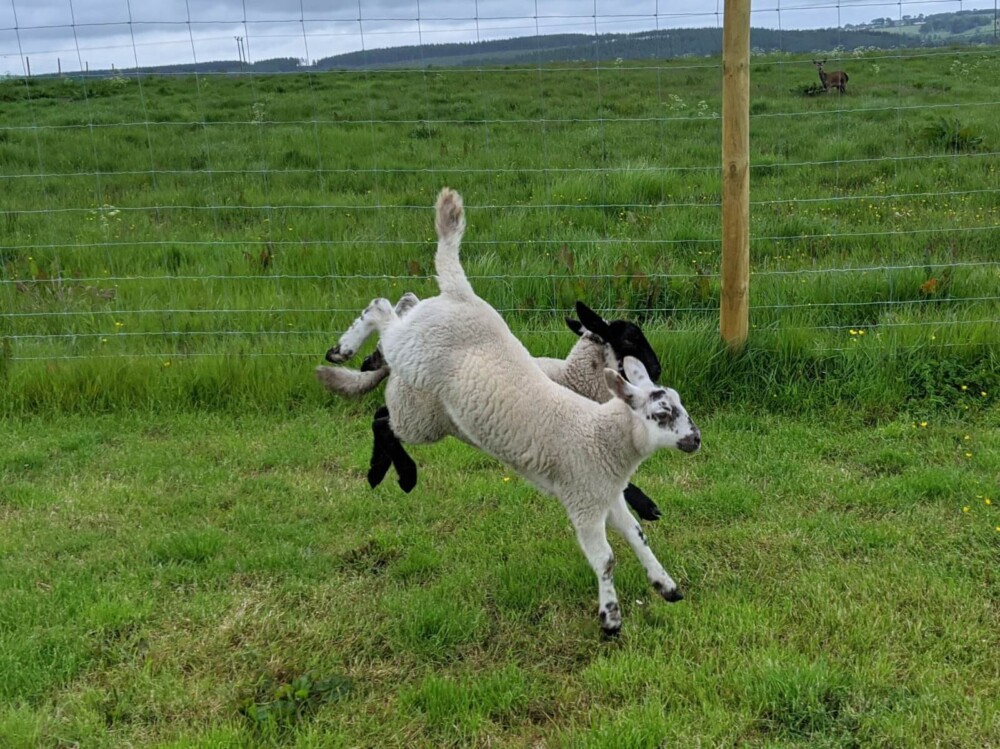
(206, 581)
(225, 228)
(190, 555)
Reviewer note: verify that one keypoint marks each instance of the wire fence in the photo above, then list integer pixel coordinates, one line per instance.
(161, 203)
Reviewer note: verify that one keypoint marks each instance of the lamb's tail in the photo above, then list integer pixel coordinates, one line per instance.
(350, 382)
(450, 223)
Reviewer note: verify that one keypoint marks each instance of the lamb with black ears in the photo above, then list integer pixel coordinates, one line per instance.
(419, 419)
(456, 348)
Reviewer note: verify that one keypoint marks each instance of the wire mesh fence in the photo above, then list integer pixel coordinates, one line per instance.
(160, 204)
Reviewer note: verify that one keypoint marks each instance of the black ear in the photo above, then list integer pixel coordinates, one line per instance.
(591, 320)
(574, 325)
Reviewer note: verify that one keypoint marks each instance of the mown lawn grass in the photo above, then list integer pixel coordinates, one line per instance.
(199, 580)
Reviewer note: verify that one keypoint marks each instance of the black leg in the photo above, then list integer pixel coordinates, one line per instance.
(381, 459)
(644, 507)
(406, 469)
(386, 450)
(373, 361)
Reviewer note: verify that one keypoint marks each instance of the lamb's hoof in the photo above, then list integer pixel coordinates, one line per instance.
(336, 355)
(670, 595)
(644, 507)
(611, 620)
(376, 473)
(373, 361)
(408, 480)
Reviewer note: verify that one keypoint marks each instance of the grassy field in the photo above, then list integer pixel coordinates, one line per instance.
(190, 555)
(214, 581)
(194, 241)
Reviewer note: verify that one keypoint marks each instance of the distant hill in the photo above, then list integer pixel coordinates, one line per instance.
(968, 26)
(643, 45)
(961, 27)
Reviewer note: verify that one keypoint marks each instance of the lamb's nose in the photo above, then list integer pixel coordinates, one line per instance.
(691, 442)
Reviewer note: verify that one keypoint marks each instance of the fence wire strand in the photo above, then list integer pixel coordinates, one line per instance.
(93, 238)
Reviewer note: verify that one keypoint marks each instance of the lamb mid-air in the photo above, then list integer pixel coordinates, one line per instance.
(457, 348)
(420, 419)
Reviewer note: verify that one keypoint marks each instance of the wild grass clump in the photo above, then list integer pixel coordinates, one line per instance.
(949, 134)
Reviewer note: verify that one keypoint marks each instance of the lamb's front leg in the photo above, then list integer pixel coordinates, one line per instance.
(363, 326)
(623, 522)
(593, 538)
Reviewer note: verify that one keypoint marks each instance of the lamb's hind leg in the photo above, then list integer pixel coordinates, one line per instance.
(593, 539)
(379, 311)
(623, 522)
(388, 450)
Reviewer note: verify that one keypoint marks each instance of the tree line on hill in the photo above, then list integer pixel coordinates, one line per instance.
(642, 45)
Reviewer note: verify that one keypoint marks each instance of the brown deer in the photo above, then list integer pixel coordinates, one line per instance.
(837, 79)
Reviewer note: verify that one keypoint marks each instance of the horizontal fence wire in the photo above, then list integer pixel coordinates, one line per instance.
(202, 206)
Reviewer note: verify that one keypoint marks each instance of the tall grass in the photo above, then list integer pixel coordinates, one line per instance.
(197, 242)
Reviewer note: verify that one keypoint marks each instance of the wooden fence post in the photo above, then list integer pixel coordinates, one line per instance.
(734, 312)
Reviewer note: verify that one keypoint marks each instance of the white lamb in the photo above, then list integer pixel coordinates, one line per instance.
(419, 417)
(458, 348)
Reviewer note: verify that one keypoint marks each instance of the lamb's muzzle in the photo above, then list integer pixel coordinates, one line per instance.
(691, 442)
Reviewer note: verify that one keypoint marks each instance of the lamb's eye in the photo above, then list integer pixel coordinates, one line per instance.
(666, 415)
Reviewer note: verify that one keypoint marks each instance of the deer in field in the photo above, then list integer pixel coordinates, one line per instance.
(837, 79)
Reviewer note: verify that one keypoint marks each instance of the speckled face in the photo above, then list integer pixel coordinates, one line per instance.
(665, 410)
(668, 422)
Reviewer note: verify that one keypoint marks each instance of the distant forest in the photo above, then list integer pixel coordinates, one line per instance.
(929, 31)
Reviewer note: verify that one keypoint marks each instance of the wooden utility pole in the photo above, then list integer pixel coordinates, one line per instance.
(735, 307)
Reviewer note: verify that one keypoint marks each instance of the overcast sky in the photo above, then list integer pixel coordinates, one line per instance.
(127, 33)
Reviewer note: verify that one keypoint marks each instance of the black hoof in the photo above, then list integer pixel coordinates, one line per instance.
(611, 620)
(373, 361)
(670, 596)
(651, 513)
(336, 356)
(644, 507)
(376, 474)
(407, 479)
